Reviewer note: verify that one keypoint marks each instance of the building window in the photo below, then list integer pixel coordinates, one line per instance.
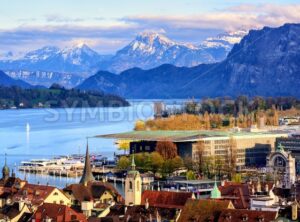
(130, 185)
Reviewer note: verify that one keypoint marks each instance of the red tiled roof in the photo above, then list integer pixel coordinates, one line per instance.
(141, 214)
(34, 193)
(203, 210)
(238, 193)
(58, 213)
(93, 190)
(235, 215)
(138, 213)
(166, 199)
(11, 182)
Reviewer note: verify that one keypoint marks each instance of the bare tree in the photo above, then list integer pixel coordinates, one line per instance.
(232, 157)
(199, 157)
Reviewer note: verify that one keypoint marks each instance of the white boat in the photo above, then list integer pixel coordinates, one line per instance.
(27, 128)
(56, 164)
(38, 163)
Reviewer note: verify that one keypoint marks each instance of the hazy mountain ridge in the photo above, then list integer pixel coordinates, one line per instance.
(5, 80)
(45, 78)
(266, 62)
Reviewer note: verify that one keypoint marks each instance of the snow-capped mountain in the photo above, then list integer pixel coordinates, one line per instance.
(264, 63)
(146, 51)
(149, 50)
(221, 45)
(77, 60)
(227, 39)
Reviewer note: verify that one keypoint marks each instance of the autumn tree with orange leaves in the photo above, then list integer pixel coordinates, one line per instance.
(167, 149)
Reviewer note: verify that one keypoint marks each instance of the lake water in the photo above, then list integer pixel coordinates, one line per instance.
(63, 132)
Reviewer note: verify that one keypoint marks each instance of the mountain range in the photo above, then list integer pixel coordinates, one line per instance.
(46, 78)
(266, 62)
(5, 80)
(147, 50)
(77, 60)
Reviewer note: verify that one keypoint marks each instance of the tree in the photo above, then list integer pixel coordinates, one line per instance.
(177, 163)
(124, 145)
(231, 156)
(188, 163)
(143, 161)
(237, 178)
(208, 165)
(166, 149)
(199, 157)
(206, 121)
(171, 165)
(139, 125)
(190, 175)
(123, 163)
(275, 117)
(157, 161)
(219, 165)
(191, 107)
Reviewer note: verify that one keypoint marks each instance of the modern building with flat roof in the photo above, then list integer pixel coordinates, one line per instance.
(251, 148)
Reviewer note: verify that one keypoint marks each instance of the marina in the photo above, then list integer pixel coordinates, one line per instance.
(65, 166)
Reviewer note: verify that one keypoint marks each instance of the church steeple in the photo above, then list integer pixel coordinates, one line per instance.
(215, 193)
(5, 170)
(87, 175)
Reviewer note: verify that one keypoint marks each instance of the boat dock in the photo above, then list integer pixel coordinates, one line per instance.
(64, 166)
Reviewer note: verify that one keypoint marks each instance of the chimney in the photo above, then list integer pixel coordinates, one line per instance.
(244, 217)
(267, 188)
(86, 207)
(146, 204)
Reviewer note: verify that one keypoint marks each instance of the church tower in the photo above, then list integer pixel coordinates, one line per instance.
(133, 186)
(87, 175)
(5, 171)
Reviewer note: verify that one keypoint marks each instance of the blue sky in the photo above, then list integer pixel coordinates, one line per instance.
(109, 25)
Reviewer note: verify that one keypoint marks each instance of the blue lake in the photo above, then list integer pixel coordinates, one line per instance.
(63, 132)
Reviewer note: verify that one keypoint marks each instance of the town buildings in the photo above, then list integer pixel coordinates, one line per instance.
(251, 148)
(99, 201)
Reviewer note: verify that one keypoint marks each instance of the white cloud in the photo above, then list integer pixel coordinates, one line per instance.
(107, 35)
(245, 16)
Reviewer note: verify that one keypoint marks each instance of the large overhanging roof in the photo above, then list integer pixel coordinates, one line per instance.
(175, 136)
